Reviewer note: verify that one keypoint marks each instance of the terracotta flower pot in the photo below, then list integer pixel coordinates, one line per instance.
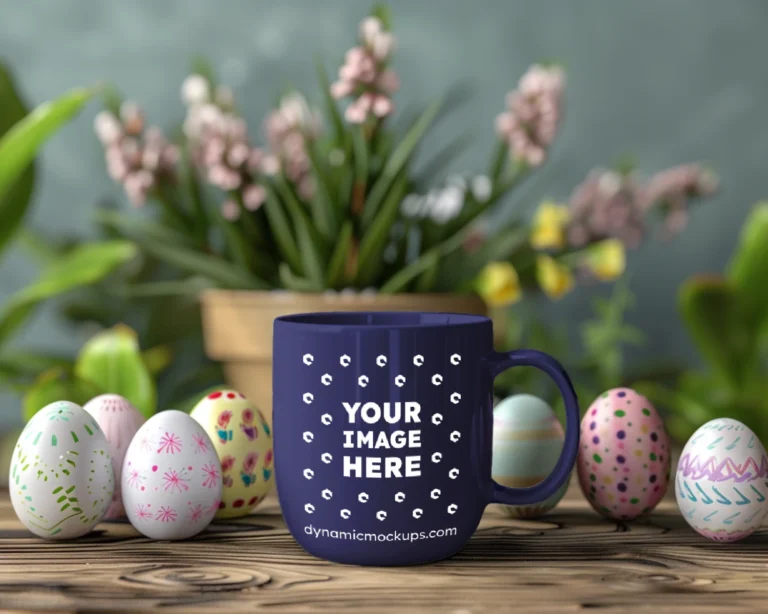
(237, 326)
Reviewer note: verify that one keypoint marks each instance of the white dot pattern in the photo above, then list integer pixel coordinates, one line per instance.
(381, 361)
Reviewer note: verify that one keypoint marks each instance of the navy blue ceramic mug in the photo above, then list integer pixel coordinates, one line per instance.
(383, 429)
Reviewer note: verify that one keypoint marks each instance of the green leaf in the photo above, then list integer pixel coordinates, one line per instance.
(84, 265)
(749, 266)
(57, 384)
(343, 196)
(374, 241)
(717, 319)
(281, 230)
(134, 227)
(361, 161)
(45, 250)
(113, 361)
(426, 281)
(310, 255)
(309, 245)
(14, 205)
(194, 191)
(330, 104)
(19, 146)
(295, 282)
(339, 257)
(323, 213)
(397, 161)
(238, 249)
(221, 272)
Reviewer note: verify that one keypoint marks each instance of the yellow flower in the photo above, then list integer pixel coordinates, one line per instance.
(549, 225)
(607, 259)
(554, 278)
(499, 284)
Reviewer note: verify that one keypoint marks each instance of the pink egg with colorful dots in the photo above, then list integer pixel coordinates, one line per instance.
(624, 456)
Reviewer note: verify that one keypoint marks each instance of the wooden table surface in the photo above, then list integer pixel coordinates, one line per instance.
(572, 560)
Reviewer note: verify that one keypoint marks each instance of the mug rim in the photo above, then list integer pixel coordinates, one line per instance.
(394, 320)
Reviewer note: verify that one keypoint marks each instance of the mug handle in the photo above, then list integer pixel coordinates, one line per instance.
(501, 361)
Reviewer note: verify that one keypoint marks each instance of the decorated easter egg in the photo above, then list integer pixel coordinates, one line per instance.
(171, 481)
(720, 484)
(624, 456)
(243, 441)
(119, 421)
(61, 480)
(527, 441)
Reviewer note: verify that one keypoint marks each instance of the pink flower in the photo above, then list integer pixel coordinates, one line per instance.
(249, 464)
(248, 416)
(608, 204)
(530, 122)
(287, 128)
(365, 74)
(254, 196)
(268, 458)
(212, 476)
(230, 210)
(196, 513)
(224, 418)
(142, 512)
(170, 443)
(166, 514)
(139, 159)
(135, 479)
(147, 443)
(221, 148)
(200, 443)
(174, 481)
(671, 189)
(227, 463)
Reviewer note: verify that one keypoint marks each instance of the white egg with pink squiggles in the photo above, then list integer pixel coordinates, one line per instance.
(171, 481)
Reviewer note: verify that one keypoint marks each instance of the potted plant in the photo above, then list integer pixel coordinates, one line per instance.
(332, 215)
(726, 314)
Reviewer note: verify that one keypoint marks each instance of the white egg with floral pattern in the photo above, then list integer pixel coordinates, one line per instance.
(61, 480)
(171, 482)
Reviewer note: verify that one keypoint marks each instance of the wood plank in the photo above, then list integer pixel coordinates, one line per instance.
(570, 561)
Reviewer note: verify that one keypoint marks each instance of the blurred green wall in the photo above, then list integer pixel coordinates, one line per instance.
(664, 81)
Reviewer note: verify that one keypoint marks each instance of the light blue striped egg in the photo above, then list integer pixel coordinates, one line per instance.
(527, 440)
